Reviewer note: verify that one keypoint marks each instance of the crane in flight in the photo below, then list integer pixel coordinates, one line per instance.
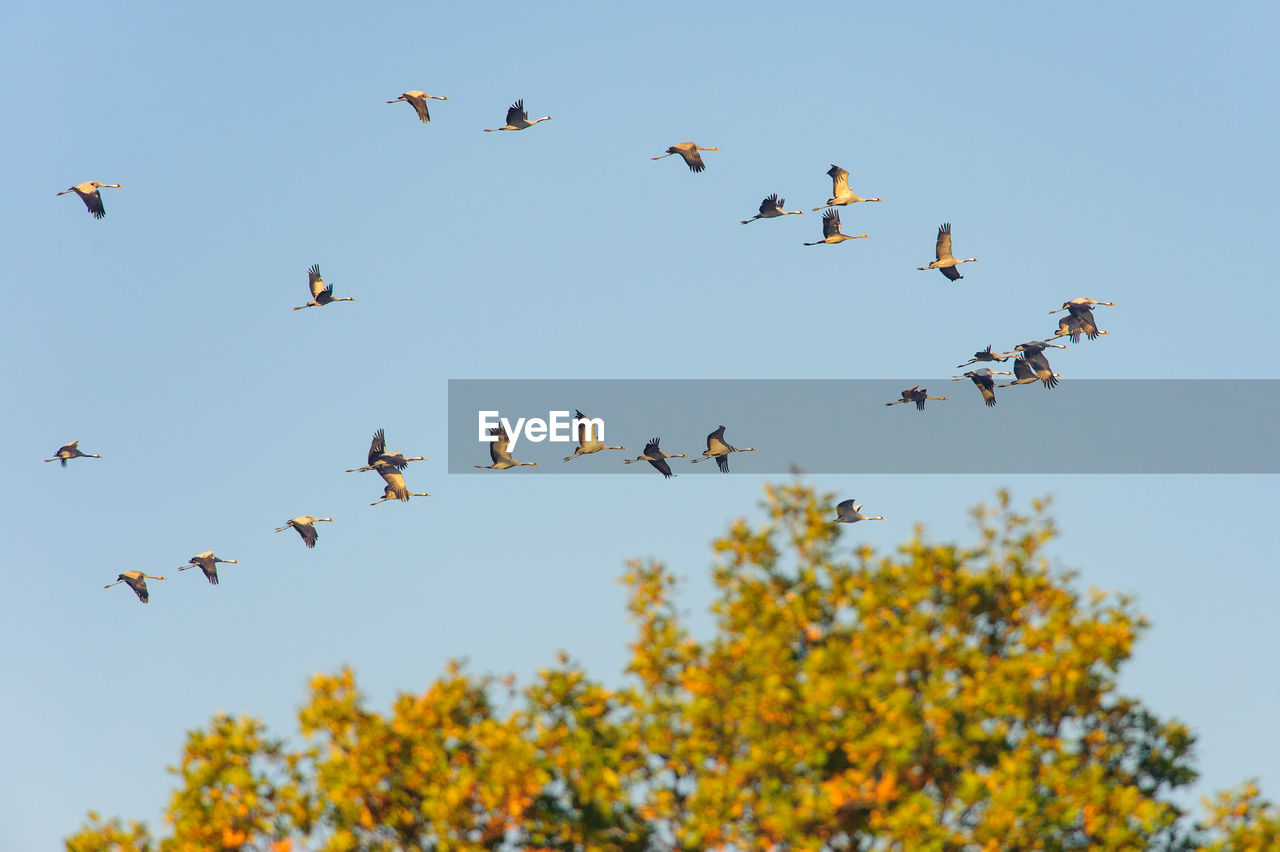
(688, 151)
(518, 119)
(588, 442)
(831, 233)
(88, 192)
(654, 455)
(321, 293)
(944, 261)
(306, 527)
(841, 194)
(771, 208)
(136, 581)
(208, 564)
(70, 451)
(418, 100)
(918, 395)
(719, 449)
(847, 512)
(500, 452)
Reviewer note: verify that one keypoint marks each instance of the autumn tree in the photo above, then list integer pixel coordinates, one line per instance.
(937, 697)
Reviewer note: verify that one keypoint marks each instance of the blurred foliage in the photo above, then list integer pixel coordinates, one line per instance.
(934, 698)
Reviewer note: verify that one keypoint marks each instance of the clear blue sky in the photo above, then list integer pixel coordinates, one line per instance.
(1123, 152)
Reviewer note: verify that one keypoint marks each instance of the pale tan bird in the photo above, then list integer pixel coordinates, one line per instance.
(395, 488)
(70, 451)
(831, 230)
(917, 395)
(208, 564)
(499, 452)
(719, 449)
(1080, 319)
(321, 294)
(985, 355)
(378, 452)
(1033, 354)
(847, 512)
(771, 208)
(89, 194)
(654, 455)
(137, 581)
(689, 152)
(418, 100)
(1082, 301)
(983, 381)
(588, 441)
(841, 194)
(1026, 374)
(518, 119)
(306, 527)
(945, 262)
(1073, 326)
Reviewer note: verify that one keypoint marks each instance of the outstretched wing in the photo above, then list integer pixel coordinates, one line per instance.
(314, 282)
(943, 248)
(93, 201)
(661, 465)
(395, 482)
(516, 113)
(693, 159)
(772, 204)
(499, 450)
(419, 101)
(377, 446)
(830, 222)
(839, 181)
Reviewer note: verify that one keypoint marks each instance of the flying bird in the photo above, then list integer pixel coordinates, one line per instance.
(1079, 320)
(849, 513)
(1074, 325)
(831, 230)
(208, 564)
(418, 100)
(945, 262)
(917, 395)
(395, 488)
(306, 527)
(518, 119)
(137, 581)
(771, 208)
(689, 151)
(841, 194)
(1023, 374)
(500, 454)
(378, 453)
(985, 355)
(986, 385)
(1083, 300)
(320, 293)
(588, 441)
(1033, 353)
(719, 449)
(70, 451)
(89, 194)
(657, 458)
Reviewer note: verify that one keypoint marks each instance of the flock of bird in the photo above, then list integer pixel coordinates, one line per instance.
(1029, 365)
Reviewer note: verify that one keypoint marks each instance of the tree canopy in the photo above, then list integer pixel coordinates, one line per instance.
(936, 697)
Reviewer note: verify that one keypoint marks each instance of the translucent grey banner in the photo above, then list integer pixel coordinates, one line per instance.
(843, 427)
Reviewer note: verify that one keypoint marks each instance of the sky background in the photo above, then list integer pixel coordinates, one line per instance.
(1123, 152)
